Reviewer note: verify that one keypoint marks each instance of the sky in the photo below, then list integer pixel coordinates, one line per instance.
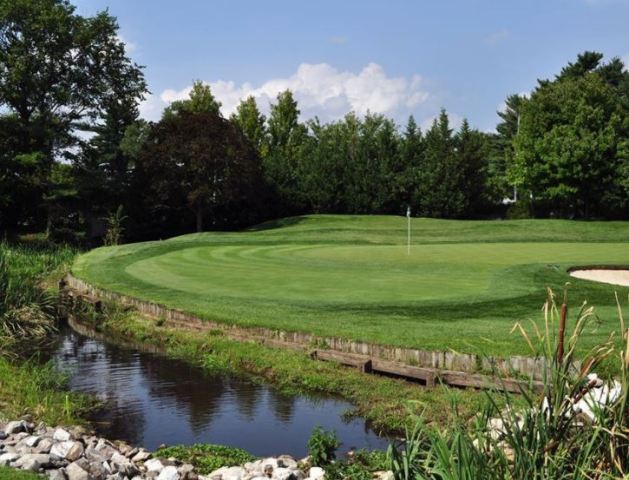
(392, 57)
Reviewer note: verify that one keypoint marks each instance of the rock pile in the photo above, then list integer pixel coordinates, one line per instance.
(74, 454)
(283, 467)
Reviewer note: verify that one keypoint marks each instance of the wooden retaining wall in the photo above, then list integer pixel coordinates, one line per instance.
(450, 367)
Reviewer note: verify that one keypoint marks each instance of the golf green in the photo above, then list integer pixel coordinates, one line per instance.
(462, 286)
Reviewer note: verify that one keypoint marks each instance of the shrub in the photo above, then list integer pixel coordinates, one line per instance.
(322, 446)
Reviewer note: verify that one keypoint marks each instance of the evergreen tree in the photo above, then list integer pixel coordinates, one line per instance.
(440, 192)
(285, 139)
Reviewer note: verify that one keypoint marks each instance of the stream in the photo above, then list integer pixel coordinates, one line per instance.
(152, 400)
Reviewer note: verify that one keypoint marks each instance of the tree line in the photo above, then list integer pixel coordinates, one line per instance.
(75, 158)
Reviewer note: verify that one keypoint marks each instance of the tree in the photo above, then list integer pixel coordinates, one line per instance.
(440, 191)
(251, 122)
(200, 161)
(472, 152)
(571, 149)
(59, 71)
(412, 157)
(285, 139)
(200, 100)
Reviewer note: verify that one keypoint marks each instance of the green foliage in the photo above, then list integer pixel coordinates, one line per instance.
(65, 71)
(41, 391)
(27, 317)
(115, 228)
(200, 161)
(252, 123)
(205, 457)
(201, 100)
(322, 447)
(359, 466)
(27, 310)
(570, 152)
(539, 439)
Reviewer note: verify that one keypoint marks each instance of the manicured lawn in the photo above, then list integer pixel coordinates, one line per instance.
(462, 287)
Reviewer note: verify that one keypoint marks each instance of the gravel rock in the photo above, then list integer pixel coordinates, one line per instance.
(169, 473)
(62, 435)
(75, 472)
(15, 427)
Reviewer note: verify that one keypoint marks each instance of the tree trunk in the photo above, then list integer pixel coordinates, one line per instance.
(199, 219)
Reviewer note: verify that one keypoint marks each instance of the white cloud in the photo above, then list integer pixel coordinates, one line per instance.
(320, 90)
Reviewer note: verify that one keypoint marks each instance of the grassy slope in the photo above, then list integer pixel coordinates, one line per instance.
(463, 286)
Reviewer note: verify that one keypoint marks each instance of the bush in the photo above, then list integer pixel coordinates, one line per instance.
(322, 447)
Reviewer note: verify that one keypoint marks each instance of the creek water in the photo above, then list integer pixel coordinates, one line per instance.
(151, 400)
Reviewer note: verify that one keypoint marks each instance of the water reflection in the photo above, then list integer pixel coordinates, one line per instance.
(153, 400)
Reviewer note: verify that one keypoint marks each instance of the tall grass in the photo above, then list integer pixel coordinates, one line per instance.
(27, 305)
(536, 436)
(27, 319)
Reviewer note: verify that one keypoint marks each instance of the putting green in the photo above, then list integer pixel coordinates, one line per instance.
(462, 286)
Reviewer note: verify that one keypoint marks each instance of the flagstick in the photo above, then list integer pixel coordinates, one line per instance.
(408, 216)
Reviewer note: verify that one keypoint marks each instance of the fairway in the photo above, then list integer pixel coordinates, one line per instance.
(462, 286)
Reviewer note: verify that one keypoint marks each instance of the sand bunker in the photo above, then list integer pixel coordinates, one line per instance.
(615, 277)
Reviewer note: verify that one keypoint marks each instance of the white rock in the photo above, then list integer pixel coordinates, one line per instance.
(61, 449)
(15, 427)
(169, 473)
(31, 441)
(31, 465)
(228, 473)
(282, 473)
(62, 435)
(286, 461)
(270, 461)
(75, 452)
(316, 473)
(41, 458)
(7, 458)
(141, 456)
(75, 472)
(153, 465)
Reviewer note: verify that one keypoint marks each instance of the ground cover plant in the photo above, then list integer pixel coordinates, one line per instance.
(462, 286)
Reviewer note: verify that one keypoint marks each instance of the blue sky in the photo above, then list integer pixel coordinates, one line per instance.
(395, 57)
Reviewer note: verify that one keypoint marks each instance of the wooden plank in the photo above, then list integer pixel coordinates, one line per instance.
(462, 379)
(362, 362)
(428, 375)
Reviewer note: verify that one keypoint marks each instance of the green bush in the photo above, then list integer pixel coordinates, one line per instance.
(322, 446)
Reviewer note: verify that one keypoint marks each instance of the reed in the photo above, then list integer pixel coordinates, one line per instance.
(537, 436)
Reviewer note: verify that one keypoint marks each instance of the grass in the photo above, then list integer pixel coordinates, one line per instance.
(12, 474)
(462, 287)
(27, 318)
(40, 391)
